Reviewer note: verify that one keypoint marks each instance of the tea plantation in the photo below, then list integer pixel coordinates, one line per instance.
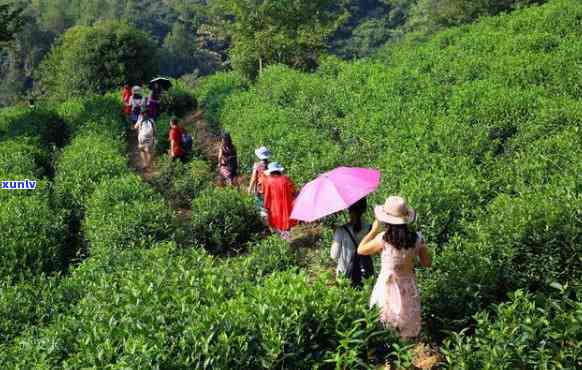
(480, 127)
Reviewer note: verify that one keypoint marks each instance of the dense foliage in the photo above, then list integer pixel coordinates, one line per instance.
(179, 183)
(223, 220)
(479, 128)
(124, 212)
(525, 333)
(96, 60)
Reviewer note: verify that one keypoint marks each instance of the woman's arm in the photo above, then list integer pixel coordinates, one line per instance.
(370, 245)
(253, 181)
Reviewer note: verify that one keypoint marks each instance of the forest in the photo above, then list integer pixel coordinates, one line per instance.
(471, 110)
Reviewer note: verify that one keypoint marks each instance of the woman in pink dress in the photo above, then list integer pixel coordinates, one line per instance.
(395, 292)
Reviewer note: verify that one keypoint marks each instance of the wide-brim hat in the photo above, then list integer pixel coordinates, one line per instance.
(274, 167)
(263, 153)
(395, 211)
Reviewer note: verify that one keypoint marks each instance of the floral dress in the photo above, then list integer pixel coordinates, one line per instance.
(395, 292)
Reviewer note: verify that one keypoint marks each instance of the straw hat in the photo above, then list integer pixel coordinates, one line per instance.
(395, 211)
(274, 167)
(263, 153)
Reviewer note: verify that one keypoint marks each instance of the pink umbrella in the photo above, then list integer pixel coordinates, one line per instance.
(334, 191)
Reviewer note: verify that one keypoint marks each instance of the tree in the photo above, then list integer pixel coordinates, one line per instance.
(96, 60)
(11, 22)
(292, 32)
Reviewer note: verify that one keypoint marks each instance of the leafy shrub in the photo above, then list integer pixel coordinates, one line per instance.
(179, 100)
(179, 183)
(223, 220)
(124, 212)
(35, 123)
(213, 91)
(88, 160)
(522, 333)
(101, 113)
(223, 321)
(23, 158)
(25, 305)
(32, 237)
(96, 59)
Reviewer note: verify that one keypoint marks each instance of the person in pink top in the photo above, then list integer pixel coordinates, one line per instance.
(395, 292)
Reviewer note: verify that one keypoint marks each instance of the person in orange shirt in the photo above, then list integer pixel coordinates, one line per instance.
(176, 149)
(279, 195)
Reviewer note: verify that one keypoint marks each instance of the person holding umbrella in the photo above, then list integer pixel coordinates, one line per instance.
(153, 102)
(396, 292)
(345, 243)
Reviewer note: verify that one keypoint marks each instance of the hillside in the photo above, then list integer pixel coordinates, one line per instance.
(478, 126)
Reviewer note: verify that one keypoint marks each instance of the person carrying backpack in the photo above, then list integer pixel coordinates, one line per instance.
(177, 138)
(345, 244)
(146, 138)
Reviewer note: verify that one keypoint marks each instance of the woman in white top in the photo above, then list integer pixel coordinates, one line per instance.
(345, 243)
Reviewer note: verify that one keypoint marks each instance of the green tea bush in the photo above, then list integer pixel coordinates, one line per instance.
(102, 113)
(179, 99)
(139, 301)
(88, 160)
(32, 237)
(179, 183)
(224, 220)
(479, 127)
(43, 123)
(25, 305)
(125, 213)
(526, 332)
(213, 91)
(23, 158)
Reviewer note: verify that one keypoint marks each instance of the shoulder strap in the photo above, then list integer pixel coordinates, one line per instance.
(347, 229)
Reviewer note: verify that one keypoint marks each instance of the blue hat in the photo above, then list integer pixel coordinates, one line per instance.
(274, 167)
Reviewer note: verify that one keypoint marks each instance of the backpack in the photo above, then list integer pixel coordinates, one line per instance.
(186, 142)
(147, 129)
(362, 266)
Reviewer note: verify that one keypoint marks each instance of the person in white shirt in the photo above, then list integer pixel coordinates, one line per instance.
(345, 244)
(146, 138)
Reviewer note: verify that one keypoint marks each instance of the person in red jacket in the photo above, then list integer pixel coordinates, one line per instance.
(279, 193)
(126, 97)
(176, 150)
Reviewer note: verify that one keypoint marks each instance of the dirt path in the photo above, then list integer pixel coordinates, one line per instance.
(135, 159)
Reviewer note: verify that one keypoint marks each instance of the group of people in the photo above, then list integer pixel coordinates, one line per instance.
(142, 113)
(391, 236)
(395, 292)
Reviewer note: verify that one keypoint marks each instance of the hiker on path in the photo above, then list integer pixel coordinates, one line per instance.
(146, 138)
(153, 101)
(126, 99)
(136, 103)
(258, 177)
(395, 292)
(279, 193)
(227, 159)
(177, 151)
(345, 244)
